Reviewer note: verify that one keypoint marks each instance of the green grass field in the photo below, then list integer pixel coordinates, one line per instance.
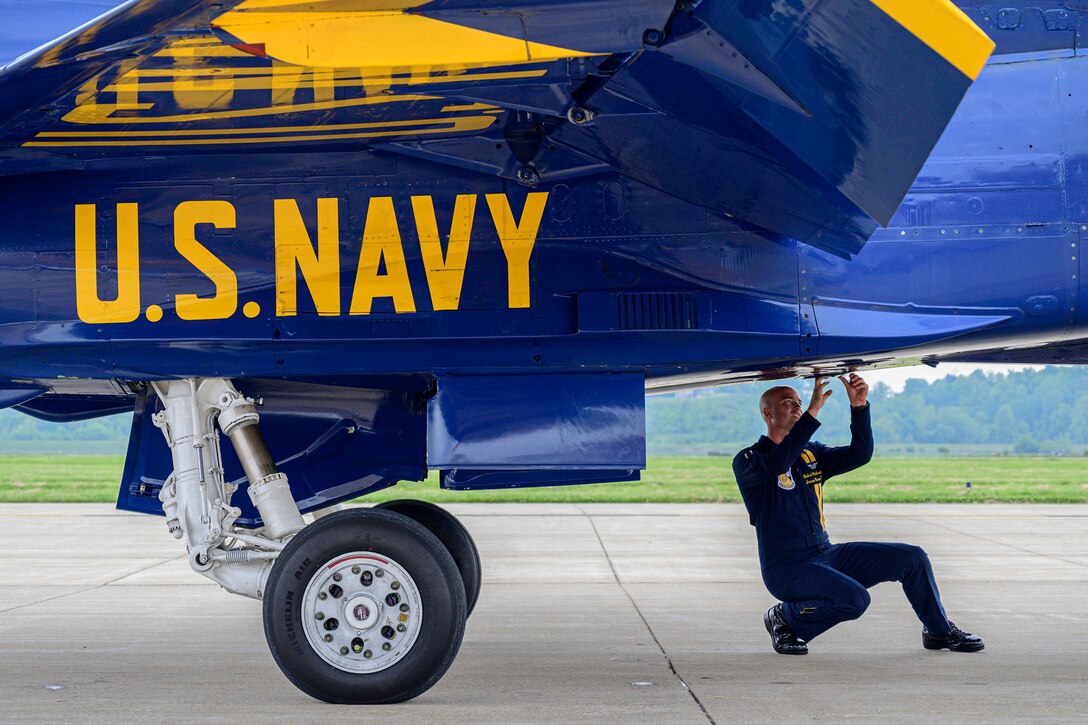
(44, 479)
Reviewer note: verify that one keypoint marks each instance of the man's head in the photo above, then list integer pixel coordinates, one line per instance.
(781, 408)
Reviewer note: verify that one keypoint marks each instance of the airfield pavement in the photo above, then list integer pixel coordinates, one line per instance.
(600, 613)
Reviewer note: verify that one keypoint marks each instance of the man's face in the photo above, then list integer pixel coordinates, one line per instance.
(783, 409)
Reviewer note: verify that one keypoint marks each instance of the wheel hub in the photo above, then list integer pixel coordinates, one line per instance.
(362, 612)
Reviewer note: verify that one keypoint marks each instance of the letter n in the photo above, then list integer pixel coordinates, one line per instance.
(295, 254)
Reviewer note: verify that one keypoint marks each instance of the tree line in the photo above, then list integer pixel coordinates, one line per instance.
(1024, 412)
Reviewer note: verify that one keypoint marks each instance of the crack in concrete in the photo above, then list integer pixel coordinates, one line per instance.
(84, 590)
(48, 599)
(146, 568)
(1007, 545)
(645, 622)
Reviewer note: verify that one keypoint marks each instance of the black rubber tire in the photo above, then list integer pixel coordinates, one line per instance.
(412, 546)
(453, 535)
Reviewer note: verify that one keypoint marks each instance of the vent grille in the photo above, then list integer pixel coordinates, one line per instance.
(656, 311)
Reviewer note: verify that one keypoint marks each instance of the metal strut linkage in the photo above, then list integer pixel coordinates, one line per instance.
(196, 498)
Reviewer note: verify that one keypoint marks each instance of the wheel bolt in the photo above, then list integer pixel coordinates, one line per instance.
(395, 585)
(368, 654)
(404, 607)
(337, 577)
(319, 616)
(379, 573)
(343, 650)
(355, 569)
(401, 628)
(386, 646)
(322, 596)
(356, 645)
(328, 638)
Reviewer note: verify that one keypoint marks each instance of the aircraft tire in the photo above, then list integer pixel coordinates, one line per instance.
(453, 535)
(364, 607)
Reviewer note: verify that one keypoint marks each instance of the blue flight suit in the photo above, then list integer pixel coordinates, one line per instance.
(820, 583)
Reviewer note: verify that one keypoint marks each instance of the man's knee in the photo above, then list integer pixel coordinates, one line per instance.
(908, 560)
(853, 602)
(917, 557)
(917, 552)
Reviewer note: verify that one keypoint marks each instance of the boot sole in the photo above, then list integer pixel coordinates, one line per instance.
(941, 645)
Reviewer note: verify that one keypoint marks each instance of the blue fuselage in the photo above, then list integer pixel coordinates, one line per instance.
(217, 256)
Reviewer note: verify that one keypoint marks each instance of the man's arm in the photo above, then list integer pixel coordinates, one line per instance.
(841, 459)
(755, 469)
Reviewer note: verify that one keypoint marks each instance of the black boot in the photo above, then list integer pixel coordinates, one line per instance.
(955, 641)
(783, 639)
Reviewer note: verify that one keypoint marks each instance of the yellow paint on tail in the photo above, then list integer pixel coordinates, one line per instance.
(944, 28)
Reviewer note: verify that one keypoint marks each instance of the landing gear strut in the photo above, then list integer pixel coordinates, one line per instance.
(359, 606)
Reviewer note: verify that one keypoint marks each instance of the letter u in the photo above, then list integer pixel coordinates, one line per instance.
(91, 308)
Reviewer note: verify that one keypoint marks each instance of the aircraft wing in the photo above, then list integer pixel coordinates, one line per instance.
(809, 118)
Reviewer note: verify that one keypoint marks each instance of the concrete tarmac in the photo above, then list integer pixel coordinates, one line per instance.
(588, 614)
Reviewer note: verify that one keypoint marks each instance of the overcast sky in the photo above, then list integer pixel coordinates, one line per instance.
(897, 377)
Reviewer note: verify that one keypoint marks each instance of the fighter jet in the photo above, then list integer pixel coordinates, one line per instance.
(320, 247)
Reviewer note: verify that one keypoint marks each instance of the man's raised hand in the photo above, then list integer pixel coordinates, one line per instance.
(856, 389)
(820, 394)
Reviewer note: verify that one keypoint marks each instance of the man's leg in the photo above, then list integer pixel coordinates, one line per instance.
(870, 563)
(815, 597)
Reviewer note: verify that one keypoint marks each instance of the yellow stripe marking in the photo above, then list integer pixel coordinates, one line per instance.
(100, 113)
(131, 82)
(945, 29)
(334, 5)
(467, 124)
(442, 74)
(248, 131)
(820, 504)
(205, 40)
(219, 51)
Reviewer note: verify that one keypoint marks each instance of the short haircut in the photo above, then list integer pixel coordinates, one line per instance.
(765, 399)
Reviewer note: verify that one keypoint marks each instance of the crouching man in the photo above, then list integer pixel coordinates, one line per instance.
(820, 584)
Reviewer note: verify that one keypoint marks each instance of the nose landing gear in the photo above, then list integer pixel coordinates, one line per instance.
(361, 606)
(378, 653)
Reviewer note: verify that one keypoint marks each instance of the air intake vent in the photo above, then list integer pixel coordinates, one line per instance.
(656, 311)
